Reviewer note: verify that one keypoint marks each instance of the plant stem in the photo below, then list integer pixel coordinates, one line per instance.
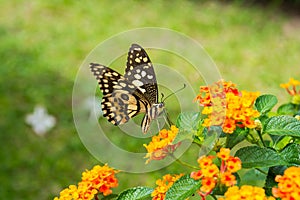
(184, 163)
(214, 197)
(261, 139)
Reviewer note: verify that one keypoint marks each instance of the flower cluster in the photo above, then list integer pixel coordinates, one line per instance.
(211, 175)
(288, 184)
(291, 88)
(225, 106)
(163, 185)
(246, 192)
(98, 180)
(161, 144)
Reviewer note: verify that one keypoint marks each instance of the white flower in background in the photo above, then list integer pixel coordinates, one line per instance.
(93, 106)
(40, 121)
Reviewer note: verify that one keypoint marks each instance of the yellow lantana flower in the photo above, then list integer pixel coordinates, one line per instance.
(161, 144)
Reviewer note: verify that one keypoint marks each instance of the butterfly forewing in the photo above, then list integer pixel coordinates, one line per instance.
(140, 72)
(121, 99)
(135, 92)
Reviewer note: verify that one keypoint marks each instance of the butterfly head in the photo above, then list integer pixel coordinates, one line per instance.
(155, 110)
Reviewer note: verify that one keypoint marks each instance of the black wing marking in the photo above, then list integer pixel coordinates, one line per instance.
(140, 72)
(121, 100)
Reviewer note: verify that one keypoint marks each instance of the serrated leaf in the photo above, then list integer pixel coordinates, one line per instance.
(183, 188)
(286, 109)
(291, 153)
(265, 103)
(188, 121)
(283, 126)
(137, 193)
(252, 177)
(253, 156)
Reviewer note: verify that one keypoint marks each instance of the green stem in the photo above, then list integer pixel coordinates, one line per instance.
(214, 197)
(261, 139)
(199, 145)
(183, 163)
(253, 140)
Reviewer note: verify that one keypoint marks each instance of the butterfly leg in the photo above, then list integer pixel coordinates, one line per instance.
(166, 118)
(158, 126)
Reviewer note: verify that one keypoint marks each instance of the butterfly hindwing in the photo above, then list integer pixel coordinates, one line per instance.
(121, 99)
(140, 72)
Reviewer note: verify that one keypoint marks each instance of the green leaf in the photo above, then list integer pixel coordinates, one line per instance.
(283, 126)
(291, 153)
(211, 138)
(254, 156)
(286, 109)
(281, 142)
(138, 193)
(252, 176)
(183, 188)
(188, 121)
(265, 103)
(235, 138)
(184, 135)
(270, 179)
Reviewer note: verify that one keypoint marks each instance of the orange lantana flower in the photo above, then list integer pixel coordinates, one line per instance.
(98, 180)
(288, 184)
(224, 153)
(225, 106)
(210, 175)
(161, 144)
(293, 88)
(246, 192)
(228, 179)
(208, 184)
(163, 185)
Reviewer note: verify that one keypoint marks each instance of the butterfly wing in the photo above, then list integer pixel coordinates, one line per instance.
(140, 72)
(121, 99)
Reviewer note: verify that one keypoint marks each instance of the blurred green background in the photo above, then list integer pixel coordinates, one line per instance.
(42, 44)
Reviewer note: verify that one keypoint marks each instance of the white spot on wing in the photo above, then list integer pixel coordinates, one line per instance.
(137, 76)
(131, 86)
(142, 90)
(123, 84)
(137, 83)
(143, 73)
(150, 77)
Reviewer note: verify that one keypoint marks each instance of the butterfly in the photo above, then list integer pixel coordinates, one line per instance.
(135, 92)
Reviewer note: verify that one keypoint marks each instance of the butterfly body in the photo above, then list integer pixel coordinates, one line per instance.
(127, 96)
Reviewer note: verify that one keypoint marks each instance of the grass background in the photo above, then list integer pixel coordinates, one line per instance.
(42, 44)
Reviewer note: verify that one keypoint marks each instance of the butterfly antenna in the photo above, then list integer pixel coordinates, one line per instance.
(163, 100)
(162, 96)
